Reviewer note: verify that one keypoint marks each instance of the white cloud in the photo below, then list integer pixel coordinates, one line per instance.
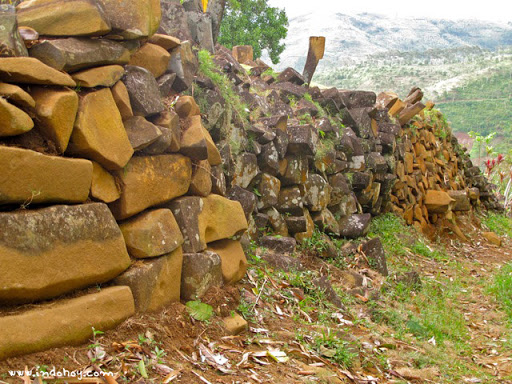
(496, 10)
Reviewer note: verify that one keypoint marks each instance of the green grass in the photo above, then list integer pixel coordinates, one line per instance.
(502, 289)
(399, 239)
(498, 223)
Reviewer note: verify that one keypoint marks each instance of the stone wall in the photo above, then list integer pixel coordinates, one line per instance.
(106, 174)
(329, 158)
(113, 177)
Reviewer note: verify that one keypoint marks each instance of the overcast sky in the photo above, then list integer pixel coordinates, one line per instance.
(497, 10)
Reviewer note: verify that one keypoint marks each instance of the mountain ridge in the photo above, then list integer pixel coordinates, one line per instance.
(351, 38)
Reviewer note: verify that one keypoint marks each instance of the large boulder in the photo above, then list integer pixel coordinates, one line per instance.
(220, 218)
(438, 201)
(152, 57)
(301, 140)
(63, 17)
(51, 251)
(99, 133)
(72, 54)
(13, 121)
(294, 170)
(29, 70)
(11, 43)
(105, 76)
(233, 261)
(56, 111)
(32, 177)
(143, 90)
(167, 42)
(357, 99)
(132, 19)
(155, 283)
(200, 272)
(66, 322)
(152, 233)
(149, 181)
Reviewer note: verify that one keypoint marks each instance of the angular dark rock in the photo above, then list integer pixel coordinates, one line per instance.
(165, 83)
(290, 75)
(358, 99)
(200, 26)
(143, 90)
(141, 132)
(354, 226)
(377, 163)
(290, 201)
(301, 140)
(186, 211)
(200, 272)
(268, 159)
(246, 199)
(296, 224)
(280, 244)
(376, 255)
(323, 284)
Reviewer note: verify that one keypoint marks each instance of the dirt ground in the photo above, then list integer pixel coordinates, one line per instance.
(281, 344)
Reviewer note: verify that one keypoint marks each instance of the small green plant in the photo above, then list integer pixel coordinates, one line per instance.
(199, 311)
(233, 104)
(159, 354)
(334, 348)
(270, 72)
(316, 244)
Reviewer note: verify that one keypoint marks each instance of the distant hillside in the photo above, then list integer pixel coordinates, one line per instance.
(465, 66)
(483, 105)
(352, 38)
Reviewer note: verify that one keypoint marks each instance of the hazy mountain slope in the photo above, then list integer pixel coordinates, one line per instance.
(351, 38)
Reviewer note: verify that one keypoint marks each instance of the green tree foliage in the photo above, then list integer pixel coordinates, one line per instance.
(255, 23)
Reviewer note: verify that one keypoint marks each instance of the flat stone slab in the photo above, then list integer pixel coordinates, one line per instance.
(72, 54)
(151, 180)
(29, 70)
(30, 177)
(66, 322)
(51, 251)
